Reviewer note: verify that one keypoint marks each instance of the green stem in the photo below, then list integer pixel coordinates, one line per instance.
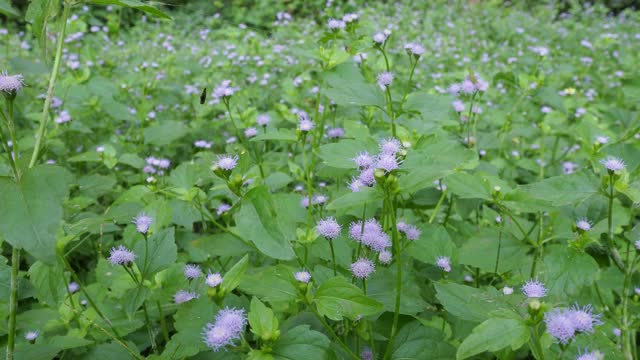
(52, 83)
(149, 329)
(534, 344)
(615, 255)
(163, 323)
(495, 270)
(13, 301)
(334, 335)
(333, 257)
(398, 256)
(440, 201)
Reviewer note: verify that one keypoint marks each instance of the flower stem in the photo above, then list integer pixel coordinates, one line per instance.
(398, 256)
(333, 258)
(335, 336)
(52, 83)
(13, 301)
(615, 255)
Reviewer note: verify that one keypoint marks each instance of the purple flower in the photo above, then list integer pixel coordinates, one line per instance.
(385, 79)
(213, 279)
(227, 162)
(586, 355)
(467, 86)
(227, 327)
(143, 222)
(10, 83)
(534, 289)
(507, 290)
(329, 228)
(355, 185)
(217, 337)
(224, 89)
(414, 49)
(302, 276)
(263, 119)
(363, 160)
(121, 256)
(560, 325)
(31, 335)
(366, 354)
(583, 318)
(203, 144)
(362, 268)
(63, 117)
(412, 233)
(613, 163)
(306, 125)
(387, 162)
(335, 133)
(355, 231)
(583, 224)
(384, 257)
(335, 24)
(379, 38)
(192, 271)
(458, 105)
(390, 146)
(444, 263)
(637, 244)
(73, 287)
(232, 319)
(250, 132)
(183, 296)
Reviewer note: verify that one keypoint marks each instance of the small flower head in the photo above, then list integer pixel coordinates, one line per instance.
(213, 279)
(355, 231)
(560, 325)
(507, 290)
(385, 79)
(637, 244)
(121, 256)
(387, 162)
(306, 125)
(329, 228)
(414, 49)
(617, 332)
(363, 160)
(583, 224)
(583, 318)
(534, 289)
(250, 132)
(183, 296)
(31, 335)
(192, 271)
(10, 84)
(379, 38)
(362, 268)
(302, 276)
(232, 319)
(227, 162)
(412, 233)
(444, 263)
(73, 287)
(593, 355)
(613, 164)
(263, 119)
(142, 222)
(217, 337)
(390, 146)
(385, 257)
(366, 354)
(335, 24)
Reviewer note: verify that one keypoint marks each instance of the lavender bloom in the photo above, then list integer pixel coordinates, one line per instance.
(390, 146)
(335, 24)
(63, 117)
(560, 325)
(121, 256)
(329, 228)
(224, 90)
(222, 208)
(319, 199)
(250, 132)
(263, 119)
(364, 160)
(232, 319)
(213, 279)
(458, 105)
(507, 290)
(10, 83)
(412, 233)
(227, 162)
(637, 244)
(192, 271)
(583, 224)
(467, 86)
(385, 79)
(362, 268)
(583, 318)
(335, 133)
(227, 327)
(367, 177)
(306, 125)
(73, 287)
(31, 335)
(534, 289)
(586, 355)
(443, 262)
(217, 337)
(613, 164)
(355, 231)
(385, 257)
(356, 184)
(143, 222)
(414, 49)
(203, 144)
(387, 162)
(183, 296)
(379, 38)
(302, 276)
(366, 354)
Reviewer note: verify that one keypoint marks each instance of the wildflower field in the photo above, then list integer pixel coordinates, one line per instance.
(315, 180)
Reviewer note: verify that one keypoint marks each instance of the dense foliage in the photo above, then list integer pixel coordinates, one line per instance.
(395, 181)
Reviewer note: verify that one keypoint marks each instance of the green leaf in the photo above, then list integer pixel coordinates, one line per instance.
(481, 251)
(415, 341)
(356, 199)
(380, 286)
(190, 320)
(466, 302)
(435, 242)
(258, 222)
(279, 135)
(494, 334)
(162, 251)
(38, 13)
(347, 86)
(164, 133)
(468, 186)
(554, 191)
(272, 284)
(340, 155)
(135, 4)
(31, 211)
(233, 277)
(262, 320)
(48, 281)
(432, 107)
(566, 271)
(302, 343)
(337, 298)
(5, 8)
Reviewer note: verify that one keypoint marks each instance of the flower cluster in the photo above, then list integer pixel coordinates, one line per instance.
(370, 234)
(329, 228)
(387, 160)
(224, 90)
(121, 256)
(156, 166)
(227, 327)
(564, 323)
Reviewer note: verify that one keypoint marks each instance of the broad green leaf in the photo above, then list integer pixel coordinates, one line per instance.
(356, 199)
(302, 343)
(258, 221)
(48, 281)
(435, 242)
(566, 271)
(38, 13)
(31, 211)
(272, 284)
(494, 334)
(433, 108)
(415, 341)
(160, 253)
(135, 4)
(233, 277)
(347, 86)
(382, 286)
(190, 321)
(262, 321)
(164, 133)
(468, 186)
(466, 302)
(340, 155)
(555, 191)
(7, 9)
(337, 298)
(481, 251)
(279, 135)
